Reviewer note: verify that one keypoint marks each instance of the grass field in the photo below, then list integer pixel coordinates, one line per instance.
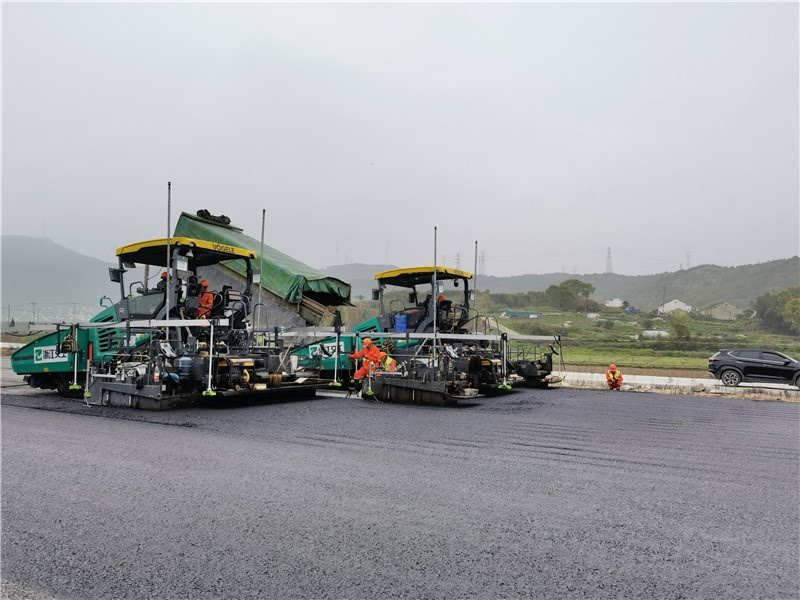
(614, 336)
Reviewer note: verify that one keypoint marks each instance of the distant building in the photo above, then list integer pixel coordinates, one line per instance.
(615, 303)
(673, 305)
(724, 311)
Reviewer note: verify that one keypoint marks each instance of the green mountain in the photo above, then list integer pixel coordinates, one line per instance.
(699, 286)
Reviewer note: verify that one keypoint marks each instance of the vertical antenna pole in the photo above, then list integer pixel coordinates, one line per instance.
(169, 251)
(435, 297)
(475, 285)
(261, 264)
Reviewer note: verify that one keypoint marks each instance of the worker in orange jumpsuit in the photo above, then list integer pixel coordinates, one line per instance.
(206, 301)
(613, 378)
(371, 355)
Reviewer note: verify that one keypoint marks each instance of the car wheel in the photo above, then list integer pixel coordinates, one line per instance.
(797, 381)
(730, 378)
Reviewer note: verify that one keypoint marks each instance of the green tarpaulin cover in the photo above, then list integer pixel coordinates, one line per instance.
(281, 274)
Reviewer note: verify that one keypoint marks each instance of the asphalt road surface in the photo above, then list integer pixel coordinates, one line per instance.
(560, 493)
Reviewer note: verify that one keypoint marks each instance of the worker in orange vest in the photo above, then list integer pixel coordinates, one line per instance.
(613, 378)
(206, 301)
(372, 356)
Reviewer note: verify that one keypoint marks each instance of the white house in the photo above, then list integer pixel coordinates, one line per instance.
(673, 305)
(614, 303)
(724, 311)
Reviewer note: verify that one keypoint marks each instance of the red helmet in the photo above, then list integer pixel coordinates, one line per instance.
(204, 282)
(612, 368)
(164, 275)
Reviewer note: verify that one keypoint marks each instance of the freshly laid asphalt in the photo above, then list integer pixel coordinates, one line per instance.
(569, 492)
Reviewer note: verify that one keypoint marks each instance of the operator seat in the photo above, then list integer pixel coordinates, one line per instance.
(192, 302)
(445, 317)
(235, 307)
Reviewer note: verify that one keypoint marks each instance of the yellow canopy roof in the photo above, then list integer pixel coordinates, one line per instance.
(411, 276)
(153, 252)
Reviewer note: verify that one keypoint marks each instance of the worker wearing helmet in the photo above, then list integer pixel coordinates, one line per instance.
(162, 283)
(613, 378)
(371, 355)
(206, 301)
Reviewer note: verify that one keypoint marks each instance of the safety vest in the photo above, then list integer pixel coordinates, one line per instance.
(206, 302)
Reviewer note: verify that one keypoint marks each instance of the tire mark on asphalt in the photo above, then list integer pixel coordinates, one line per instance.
(509, 450)
(531, 436)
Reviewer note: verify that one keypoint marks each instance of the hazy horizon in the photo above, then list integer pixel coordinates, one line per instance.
(470, 267)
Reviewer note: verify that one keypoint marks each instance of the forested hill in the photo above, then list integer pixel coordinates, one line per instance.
(699, 286)
(39, 270)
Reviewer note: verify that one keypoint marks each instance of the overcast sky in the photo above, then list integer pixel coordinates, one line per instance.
(546, 132)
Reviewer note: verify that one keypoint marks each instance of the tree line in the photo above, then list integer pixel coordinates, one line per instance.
(571, 295)
(776, 312)
(779, 312)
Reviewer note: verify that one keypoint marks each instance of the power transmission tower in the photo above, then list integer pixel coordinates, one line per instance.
(609, 268)
(482, 264)
(458, 260)
(688, 260)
